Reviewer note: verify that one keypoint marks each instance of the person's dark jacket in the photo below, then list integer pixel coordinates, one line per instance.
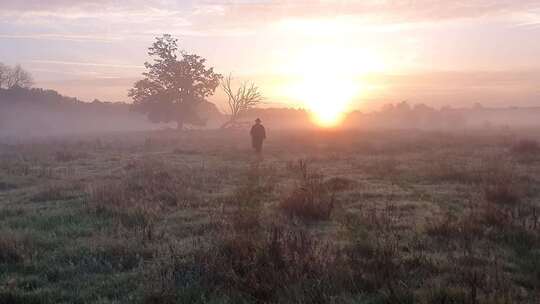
(258, 134)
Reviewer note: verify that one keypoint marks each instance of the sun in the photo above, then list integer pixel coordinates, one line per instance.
(326, 83)
(326, 98)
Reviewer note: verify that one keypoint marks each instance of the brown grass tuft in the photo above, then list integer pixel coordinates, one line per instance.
(500, 185)
(313, 199)
(309, 202)
(339, 184)
(525, 147)
(264, 263)
(15, 247)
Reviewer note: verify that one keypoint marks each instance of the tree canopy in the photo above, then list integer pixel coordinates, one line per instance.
(175, 84)
(12, 77)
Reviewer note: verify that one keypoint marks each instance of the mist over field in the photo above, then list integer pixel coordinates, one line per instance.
(27, 113)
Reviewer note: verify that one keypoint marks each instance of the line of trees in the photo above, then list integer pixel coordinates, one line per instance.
(175, 87)
(12, 77)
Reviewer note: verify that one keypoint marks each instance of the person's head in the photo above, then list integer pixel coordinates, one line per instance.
(257, 121)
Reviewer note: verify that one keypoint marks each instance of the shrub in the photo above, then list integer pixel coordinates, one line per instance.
(339, 184)
(310, 202)
(266, 263)
(500, 182)
(525, 147)
(313, 199)
(502, 193)
(14, 247)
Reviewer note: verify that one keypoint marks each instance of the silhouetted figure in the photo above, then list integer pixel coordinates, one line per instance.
(258, 135)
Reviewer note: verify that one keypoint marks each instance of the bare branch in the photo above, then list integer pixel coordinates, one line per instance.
(245, 97)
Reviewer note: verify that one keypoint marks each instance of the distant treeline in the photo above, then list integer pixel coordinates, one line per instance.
(420, 116)
(51, 98)
(34, 111)
(403, 115)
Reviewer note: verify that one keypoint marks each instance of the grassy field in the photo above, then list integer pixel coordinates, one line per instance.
(324, 217)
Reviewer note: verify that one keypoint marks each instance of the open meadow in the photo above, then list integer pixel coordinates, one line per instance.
(323, 217)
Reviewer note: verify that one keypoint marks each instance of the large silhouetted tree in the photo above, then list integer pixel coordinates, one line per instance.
(175, 84)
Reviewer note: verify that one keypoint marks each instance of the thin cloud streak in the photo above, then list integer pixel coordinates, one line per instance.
(216, 16)
(61, 37)
(91, 64)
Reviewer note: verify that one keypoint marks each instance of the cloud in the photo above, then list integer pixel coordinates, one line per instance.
(61, 37)
(383, 11)
(529, 19)
(88, 64)
(224, 17)
(55, 5)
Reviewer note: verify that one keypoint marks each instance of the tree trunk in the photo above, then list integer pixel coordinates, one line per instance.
(179, 125)
(230, 122)
(227, 124)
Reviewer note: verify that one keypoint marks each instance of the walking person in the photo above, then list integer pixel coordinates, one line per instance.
(258, 135)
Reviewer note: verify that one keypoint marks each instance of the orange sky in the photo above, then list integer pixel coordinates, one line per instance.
(367, 52)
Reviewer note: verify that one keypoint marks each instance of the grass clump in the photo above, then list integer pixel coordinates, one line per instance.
(55, 191)
(68, 156)
(312, 199)
(266, 263)
(502, 186)
(525, 147)
(15, 247)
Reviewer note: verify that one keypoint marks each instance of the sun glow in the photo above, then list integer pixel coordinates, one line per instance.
(326, 98)
(327, 82)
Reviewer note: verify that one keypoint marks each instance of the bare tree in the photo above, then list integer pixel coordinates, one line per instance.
(246, 97)
(18, 77)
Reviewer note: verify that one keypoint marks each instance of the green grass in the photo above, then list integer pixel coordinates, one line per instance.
(166, 217)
